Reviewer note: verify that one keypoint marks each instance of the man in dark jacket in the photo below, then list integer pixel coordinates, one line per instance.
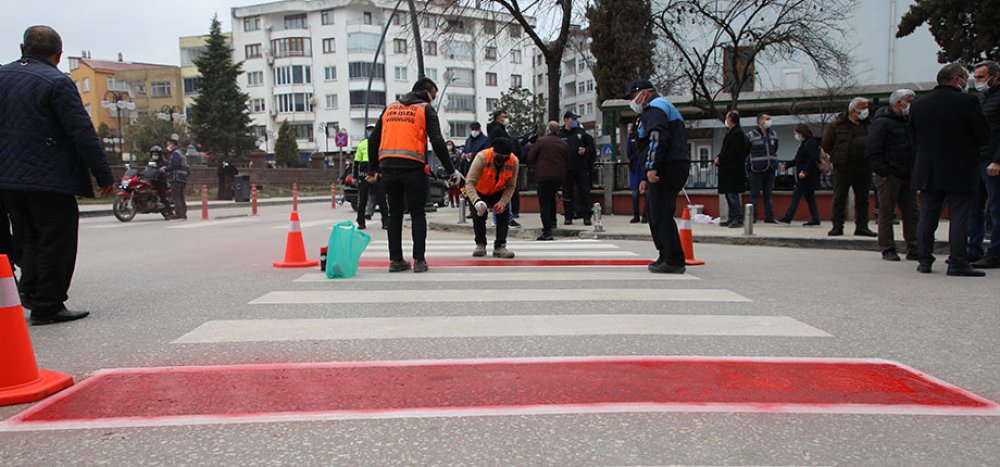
(762, 160)
(495, 130)
(227, 177)
(580, 164)
(48, 151)
(890, 155)
(549, 156)
(400, 143)
(177, 176)
(476, 142)
(844, 139)
(663, 139)
(732, 168)
(948, 127)
(988, 83)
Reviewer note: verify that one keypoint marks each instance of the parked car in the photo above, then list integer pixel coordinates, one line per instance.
(437, 195)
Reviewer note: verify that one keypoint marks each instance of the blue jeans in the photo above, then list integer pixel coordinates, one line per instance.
(989, 189)
(735, 214)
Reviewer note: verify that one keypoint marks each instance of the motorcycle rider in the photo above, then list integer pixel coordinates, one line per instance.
(158, 179)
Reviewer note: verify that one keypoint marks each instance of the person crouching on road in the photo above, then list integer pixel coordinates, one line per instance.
(489, 185)
(663, 145)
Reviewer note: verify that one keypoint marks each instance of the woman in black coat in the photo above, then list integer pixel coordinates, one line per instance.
(807, 181)
(732, 167)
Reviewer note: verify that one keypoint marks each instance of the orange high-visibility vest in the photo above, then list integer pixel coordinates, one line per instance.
(489, 183)
(404, 132)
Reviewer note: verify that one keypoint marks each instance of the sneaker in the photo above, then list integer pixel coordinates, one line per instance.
(479, 251)
(398, 265)
(502, 252)
(664, 268)
(986, 263)
(514, 224)
(965, 272)
(811, 224)
(545, 237)
(419, 265)
(835, 232)
(890, 255)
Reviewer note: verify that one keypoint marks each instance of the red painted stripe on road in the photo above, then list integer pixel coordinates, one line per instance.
(249, 393)
(461, 263)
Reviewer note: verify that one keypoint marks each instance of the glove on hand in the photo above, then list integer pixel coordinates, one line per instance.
(480, 207)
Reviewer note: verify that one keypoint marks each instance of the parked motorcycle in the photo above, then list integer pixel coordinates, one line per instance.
(138, 195)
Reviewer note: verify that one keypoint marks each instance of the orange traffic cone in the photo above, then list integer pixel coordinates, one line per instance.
(295, 249)
(687, 239)
(20, 379)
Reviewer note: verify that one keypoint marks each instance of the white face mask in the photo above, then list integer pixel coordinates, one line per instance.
(505, 121)
(635, 106)
(863, 114)
(905, 110)
(798, 137)
(984, 86)
(767, 124)
(475, 133)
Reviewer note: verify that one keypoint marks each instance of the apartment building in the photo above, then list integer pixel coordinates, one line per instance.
(146, 87)
(309, 63)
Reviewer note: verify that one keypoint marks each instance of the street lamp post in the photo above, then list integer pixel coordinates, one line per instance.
(118, 105)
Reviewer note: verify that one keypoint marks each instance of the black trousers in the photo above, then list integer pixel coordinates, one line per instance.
(856, 177)
(406, 189)
(662, 199)
(45, 233)
(6, 239)
(547, 203)
(365, 192)
(178, 197)
(802, 190)
(576, 194)
(931, 205)
(503, 220)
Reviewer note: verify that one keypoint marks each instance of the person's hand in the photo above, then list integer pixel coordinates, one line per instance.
(993, 169)
(480, 208)
(783, 167)
(106, 191)
(498, 208)
(716, 161)
(651, 176)
(642, 187)
(803, 175)
(457, 177)
(372, 178)
(581, 151)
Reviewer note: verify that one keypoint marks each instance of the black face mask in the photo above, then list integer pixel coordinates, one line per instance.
(501, 159)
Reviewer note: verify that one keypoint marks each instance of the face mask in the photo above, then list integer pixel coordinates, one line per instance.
(906, 109)
(798, 137)
(767, 124)
(505, 121)
(475, 133)
(864, 114)
(635, 106)
(368, 134)
(575, 124)
(983, 87)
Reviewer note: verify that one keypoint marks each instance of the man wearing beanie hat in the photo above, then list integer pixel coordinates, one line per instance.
(489, 185)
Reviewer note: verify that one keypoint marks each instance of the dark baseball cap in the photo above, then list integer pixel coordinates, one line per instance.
(503, 146)
(638, 85)
(570, 114)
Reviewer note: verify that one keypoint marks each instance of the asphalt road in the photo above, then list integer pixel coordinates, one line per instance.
(150, 282)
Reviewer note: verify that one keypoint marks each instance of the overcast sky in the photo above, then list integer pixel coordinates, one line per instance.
(142, 30)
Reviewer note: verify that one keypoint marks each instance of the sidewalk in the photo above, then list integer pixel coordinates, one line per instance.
(98, 210)
(617, 227)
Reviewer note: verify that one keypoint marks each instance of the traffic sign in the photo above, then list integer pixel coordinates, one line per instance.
(340, 140)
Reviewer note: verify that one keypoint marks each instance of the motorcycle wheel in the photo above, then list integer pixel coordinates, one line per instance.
(124, 209)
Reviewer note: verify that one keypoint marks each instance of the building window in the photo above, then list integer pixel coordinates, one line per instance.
(491, 79)
(294, 102)
(455, 25)
(581, 65)
(362, 70)
(375, 98)
(515, 56)
(515, 31)
(296, 21)
(399, 46)
(461, 103)
(331, 101)
(251, 24)
(400, 73)
(191, 86)
(430, 48)
(291, 47)
(744, 71)
(303, 131)
(491, 53)
(432, 73)
(491, 104)
(257, 105)
(253, 51)
(399, 19)
(330, 73)
(459, 50)
(539, 79)
(590, 108)
(590, 85)
(161, 88)
(329, 45)
(362, 42)
(139, 87)
(515, 81)
(458, 129)
(490, 27)
(430, 22)
(326, 17)
(366, 17)
(462, 77)
(294, 74)
(581, 87)
(255, 78)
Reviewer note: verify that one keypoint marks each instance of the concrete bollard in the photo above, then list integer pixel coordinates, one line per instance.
(598, 221)
(748, 219)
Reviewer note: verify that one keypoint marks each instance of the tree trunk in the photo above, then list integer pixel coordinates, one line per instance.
(555, 78)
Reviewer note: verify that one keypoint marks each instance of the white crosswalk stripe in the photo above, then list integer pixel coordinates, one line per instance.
(631, 274)
(499, 295)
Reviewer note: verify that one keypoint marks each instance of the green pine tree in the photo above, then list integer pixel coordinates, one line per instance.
(968, 31)
(619, 62)
(220, 119)
(286, 150)
(525, 110)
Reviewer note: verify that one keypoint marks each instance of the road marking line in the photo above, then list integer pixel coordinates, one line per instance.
(510, 276)
(509, 242)
(306, 224)
(468, 246)
(498, 296)
(520, 253)
(197, 224)
(443, 327)
(508, 263)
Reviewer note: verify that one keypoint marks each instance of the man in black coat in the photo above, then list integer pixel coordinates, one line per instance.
(732, 168)
(889, 152)
(988, 83)
(948, 128)
(48, 151)
(580, 164)
(495, 130)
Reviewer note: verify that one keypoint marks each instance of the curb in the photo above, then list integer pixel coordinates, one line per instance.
(231, 205)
